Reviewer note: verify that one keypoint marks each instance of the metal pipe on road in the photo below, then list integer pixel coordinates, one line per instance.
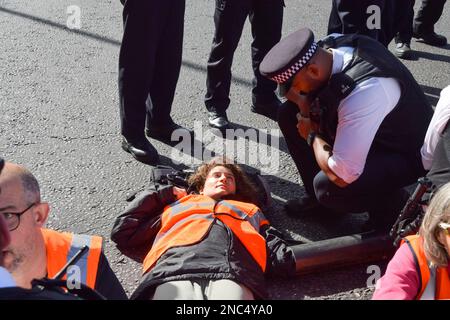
(342, 251)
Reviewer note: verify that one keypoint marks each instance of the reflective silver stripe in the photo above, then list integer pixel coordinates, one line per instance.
(430, 290)
(177, 207)
(161, 235)
(255, 220)
(78, 241)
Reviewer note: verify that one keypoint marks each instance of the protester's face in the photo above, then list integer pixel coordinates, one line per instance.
(219, 182)
(24, 239)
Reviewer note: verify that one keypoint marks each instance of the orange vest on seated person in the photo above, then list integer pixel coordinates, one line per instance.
(62, 246)
(188, 220)
(434, 281)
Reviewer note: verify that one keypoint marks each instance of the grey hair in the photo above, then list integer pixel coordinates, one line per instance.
(31, 190)
(438, 211)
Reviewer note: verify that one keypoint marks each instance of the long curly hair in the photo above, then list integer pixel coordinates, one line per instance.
(438, 211)
(245, 190)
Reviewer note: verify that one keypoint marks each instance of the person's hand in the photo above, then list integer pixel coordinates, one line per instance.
(302, 101)
(179, 192)
(304, 126)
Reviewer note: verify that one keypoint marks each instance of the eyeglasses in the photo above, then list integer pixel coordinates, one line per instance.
(13, 218)
(445, 226)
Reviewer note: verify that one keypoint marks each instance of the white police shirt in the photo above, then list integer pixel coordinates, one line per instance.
(6, 280)
(440, 118)
(360, 115)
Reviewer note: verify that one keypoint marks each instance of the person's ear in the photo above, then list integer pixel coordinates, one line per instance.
(41, 211)
(313, 71)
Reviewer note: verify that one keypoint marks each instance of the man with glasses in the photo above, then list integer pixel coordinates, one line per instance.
(35, 252)
(6, 279)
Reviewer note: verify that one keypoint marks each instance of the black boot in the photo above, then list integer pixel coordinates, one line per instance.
(141, 150)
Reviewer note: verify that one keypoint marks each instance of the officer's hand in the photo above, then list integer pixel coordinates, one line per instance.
(304, 126)
(179, 192)
(303, 102)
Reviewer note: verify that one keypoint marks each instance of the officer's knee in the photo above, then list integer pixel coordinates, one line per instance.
(323, 188)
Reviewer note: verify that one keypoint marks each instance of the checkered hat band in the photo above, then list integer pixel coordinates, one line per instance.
(286, 75)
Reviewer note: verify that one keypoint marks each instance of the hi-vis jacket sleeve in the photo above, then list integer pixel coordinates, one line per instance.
(135, 229)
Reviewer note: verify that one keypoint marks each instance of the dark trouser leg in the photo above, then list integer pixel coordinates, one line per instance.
(229, 19)
(428, 14)
(405, 15)
(168, 64)
(378, 189)
(440, 169)
(144, 22)
(349, 16)
(266, 18)
(301, 153)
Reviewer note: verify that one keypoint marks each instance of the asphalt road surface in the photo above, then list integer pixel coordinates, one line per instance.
(59, 117)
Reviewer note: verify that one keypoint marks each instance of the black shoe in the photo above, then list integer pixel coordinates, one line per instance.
(269, 110)
(303, 207)
(432, 38)
(403, 50)
(164, 133)
(219, 120)
(141, 150)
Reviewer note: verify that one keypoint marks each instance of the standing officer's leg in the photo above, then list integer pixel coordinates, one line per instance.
(166, 73)
(266, 17)
(229, 19)
(427, 16)
(404, 27)
(142, 28)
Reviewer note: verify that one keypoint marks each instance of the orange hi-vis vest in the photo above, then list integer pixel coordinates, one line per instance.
(435, 282)
(187, 222)
(62, 246)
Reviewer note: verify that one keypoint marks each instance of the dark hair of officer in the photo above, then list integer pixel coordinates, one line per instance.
(245, 189)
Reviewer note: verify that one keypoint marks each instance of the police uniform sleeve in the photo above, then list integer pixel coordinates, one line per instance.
(107, 283)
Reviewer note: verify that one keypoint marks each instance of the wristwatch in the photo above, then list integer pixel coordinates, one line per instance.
(310, 139)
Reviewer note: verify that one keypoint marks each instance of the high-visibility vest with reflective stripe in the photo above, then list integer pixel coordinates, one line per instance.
(187, 221)
(435, 282)
(62, 246)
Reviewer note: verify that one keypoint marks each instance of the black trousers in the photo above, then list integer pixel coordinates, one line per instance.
(149, 63)
(376, 190)
(404, 22)
(266, 18)
(350, 16)
(427, 16)
(429, 13)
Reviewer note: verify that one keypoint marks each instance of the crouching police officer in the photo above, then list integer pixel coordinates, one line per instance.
(31, 252)
(354, 123)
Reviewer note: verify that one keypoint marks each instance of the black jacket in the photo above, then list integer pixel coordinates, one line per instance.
(220, 255)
